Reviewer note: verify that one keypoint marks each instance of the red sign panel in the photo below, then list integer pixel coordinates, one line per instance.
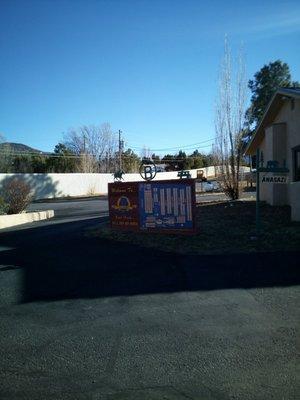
(123, 201)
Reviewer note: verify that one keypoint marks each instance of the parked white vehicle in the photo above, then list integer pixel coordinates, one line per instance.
(216, 185)
(208, 186)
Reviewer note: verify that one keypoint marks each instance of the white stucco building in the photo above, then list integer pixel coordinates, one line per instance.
(278, 138)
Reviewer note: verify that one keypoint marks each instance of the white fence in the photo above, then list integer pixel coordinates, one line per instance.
(47, 186)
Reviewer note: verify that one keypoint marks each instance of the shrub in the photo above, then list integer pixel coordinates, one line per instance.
(17, 194)
(3, 206)
(91, 191)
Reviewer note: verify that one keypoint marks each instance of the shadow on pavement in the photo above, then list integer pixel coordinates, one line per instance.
(71, 265)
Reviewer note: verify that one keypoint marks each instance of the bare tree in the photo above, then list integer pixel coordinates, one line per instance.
(215, 159)
(229, 121)
(94, 144)
(145, 152)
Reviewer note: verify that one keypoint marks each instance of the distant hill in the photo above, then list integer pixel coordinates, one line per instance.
(18, 148)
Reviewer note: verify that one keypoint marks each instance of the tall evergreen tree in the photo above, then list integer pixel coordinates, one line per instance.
(265, 83)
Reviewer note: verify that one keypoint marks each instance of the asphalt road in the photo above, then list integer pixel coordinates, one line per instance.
(84, 318)
(76, 209)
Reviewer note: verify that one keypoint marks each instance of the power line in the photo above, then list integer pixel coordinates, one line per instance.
(34, 154)
(124, 156)
(177, 147)
(180, 148)
(119, 153)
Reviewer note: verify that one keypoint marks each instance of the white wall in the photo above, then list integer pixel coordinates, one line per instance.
(295, 200)
(62, 185)
(291, 116)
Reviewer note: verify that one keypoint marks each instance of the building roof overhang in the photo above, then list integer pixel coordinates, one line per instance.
(270, 114)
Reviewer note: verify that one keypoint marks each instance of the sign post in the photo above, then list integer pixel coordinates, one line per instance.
(272, 167)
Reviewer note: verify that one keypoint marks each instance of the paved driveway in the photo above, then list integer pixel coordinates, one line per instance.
(76, 209)
(83, 318)
(206, 197)
(79, 209)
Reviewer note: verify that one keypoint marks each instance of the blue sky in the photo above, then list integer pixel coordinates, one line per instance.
(148, 67)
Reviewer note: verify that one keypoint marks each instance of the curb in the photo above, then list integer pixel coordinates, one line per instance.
(71, 198)
(6, 221)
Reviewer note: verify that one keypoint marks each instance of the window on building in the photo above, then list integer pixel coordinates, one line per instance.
(296, 157)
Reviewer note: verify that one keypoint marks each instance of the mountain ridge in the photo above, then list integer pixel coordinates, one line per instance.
(19, 148)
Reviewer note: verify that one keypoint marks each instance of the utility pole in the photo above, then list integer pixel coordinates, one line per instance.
(120, 150)
(106, 161)
(84, 143)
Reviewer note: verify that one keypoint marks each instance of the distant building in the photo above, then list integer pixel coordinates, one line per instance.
(278, 138)
(161, 167)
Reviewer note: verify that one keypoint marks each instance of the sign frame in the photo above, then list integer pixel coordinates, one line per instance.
(138, 228)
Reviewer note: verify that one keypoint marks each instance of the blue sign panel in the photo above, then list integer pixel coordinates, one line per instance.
(166, 205)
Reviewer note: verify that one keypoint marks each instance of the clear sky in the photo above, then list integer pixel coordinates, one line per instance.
(148, 67)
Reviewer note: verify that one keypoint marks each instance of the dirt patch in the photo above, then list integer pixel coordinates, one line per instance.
(222, 227)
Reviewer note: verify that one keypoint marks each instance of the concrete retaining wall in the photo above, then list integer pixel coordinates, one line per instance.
(7, 221)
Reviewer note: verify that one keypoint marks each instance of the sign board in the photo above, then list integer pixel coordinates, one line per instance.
(123, 205)
(156, 206)
(274, 179)
(166, 205)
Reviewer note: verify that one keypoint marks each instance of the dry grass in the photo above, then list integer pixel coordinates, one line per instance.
(223, 227)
